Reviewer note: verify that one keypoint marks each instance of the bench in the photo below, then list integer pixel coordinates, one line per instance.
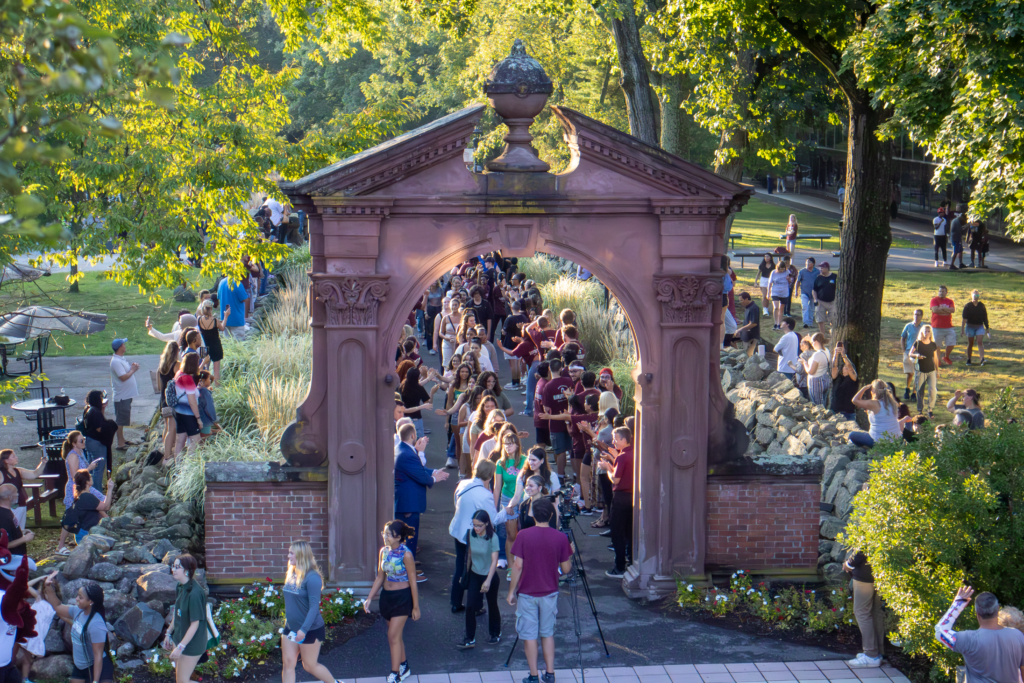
(821, 238)
(37, 496)
(754, 254)
(732, 239)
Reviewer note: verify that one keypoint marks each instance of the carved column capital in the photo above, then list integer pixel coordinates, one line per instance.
(351, 300)
(687, 298)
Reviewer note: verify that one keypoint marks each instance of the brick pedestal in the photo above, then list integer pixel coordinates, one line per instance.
(766, 524)
(253, 513)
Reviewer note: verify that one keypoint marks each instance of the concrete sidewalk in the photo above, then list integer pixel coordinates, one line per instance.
(828, 671)
(78, 375)
(1004, 255)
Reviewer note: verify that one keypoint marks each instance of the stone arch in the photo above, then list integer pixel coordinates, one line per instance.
(388, 221)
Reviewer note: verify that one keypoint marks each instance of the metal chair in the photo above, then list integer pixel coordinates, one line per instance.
(48, 420)
(34, 356)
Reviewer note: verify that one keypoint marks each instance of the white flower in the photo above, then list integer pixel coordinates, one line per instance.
(833, 592)
(842, 609)
(707, 599)
(740, 572)
(263, 601)
(690, 588)
(734, 576)
(280, 630)
(243, 620)
(819, 612)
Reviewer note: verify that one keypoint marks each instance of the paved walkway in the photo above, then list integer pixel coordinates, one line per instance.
(1004, 254)
(757, 672)
(639, 633)
(78, 375)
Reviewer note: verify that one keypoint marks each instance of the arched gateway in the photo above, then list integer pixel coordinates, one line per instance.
(387, 222)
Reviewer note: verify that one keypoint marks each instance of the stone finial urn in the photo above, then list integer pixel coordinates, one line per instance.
(518, 89)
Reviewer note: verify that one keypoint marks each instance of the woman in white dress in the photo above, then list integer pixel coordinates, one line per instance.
(448, 327)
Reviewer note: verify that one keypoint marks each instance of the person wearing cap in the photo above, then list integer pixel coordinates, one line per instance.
(185, 319)
(122, 378)
(824, 295)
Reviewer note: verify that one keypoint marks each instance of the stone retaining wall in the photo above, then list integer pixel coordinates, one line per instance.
(254, 511)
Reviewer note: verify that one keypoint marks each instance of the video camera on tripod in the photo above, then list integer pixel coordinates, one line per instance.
(568, 509)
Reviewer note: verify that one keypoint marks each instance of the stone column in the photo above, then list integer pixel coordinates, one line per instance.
(351, 356)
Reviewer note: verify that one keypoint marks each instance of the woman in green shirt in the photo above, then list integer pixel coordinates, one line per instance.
(187, 634)
(482, 562)
(506, 472)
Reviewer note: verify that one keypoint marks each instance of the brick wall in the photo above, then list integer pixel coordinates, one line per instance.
(763, 522)
(249, 526)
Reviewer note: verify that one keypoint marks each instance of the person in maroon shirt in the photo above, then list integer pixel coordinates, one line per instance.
(540, 424)
(556, 402)
(587, 385)
(531, 348)
(621, 475)
(606, 382)
(538, 554)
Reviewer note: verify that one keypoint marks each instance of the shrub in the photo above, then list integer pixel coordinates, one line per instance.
(272, 401)
(266, 599)
(288, 312)
(940, 516)
(687, 595)
(188, 479)
(159, 664)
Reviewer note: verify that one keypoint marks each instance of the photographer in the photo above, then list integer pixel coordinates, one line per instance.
(620, 471)
(539, 552)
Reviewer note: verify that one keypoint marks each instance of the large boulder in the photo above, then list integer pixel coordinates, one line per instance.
(134, 571)
(156, 585)
(105, 571)
(116, 604)
(80, 561)
(148, 504)
(52, 668)
(795, 447)
(139, 555)
(834, 573)
(746, 412)
(162, 547)
(70, 589)
(114, 557)
(833, 464)
(54, 642)
(844, 503)
(854, 479)
(764, 435)
(180, 513)
(753, 373)
(141, 626)
(831, 526)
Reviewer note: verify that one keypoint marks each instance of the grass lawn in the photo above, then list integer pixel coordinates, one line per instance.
(761, 223)
(906, 291)
(125, 307)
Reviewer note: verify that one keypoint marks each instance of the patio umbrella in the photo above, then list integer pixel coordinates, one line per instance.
(19, 272)
(34, 320)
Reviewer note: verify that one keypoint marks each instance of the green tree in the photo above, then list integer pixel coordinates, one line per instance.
(941, 516)
(968, 113)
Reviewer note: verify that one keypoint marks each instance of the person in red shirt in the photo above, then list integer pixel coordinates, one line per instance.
(942, 324)
(566, 318)
(538, 554)
(556, 402)
(540, 424)
(621, 475)
(606, 382)
(531, 348)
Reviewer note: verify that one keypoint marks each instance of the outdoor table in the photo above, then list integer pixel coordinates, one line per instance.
(732, 239)
(39, 406)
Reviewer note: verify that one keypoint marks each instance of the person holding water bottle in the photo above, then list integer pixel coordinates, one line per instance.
(304, 627)
(399, 598)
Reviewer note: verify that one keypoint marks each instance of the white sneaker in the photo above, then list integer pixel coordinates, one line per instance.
(510, 386)
(936, 264)
(451, 464)
(502, 564)
(433, 352)
(765, 311)
(862, 661)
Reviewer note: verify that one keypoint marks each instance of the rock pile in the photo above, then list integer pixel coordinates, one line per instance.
(128, 555)
(785, 427)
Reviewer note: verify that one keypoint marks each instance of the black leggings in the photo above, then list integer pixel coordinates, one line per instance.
(475, 599)
(428, 325)
(940, 243)
(622, 528)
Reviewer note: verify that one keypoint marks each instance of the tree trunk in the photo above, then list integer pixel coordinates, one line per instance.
(74, 285)
(635, 81)
(670, 99)
(865, 237)
(736, 139)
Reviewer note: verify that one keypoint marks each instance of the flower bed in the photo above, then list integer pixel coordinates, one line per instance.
(251, 629)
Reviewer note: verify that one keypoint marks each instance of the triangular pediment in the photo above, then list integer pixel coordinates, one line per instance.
(601, 145)
(390, 162)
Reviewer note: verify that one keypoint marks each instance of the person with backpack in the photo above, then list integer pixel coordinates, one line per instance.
(182, 395)
(187, 634)
(76, 458)
(89, 638)
(88, 508)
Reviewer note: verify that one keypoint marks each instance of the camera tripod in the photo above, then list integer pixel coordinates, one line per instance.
(578, 571)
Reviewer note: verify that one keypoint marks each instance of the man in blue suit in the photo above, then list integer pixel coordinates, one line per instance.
(412, 480)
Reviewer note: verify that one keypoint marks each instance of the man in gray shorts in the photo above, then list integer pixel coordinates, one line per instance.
(122, 379)
(539, 552)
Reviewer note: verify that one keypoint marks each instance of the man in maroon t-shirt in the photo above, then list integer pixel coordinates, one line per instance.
(621, 474)
(555, 402)
(538, 554)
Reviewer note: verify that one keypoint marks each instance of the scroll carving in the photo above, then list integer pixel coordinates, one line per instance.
(352, 300)
(687, 298)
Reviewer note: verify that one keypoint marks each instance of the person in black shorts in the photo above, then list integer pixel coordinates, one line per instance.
(399, 599)
(750, 331)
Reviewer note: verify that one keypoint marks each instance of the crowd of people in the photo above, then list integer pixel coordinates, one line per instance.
(505, 527)
(827, 377)
(956, 230)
